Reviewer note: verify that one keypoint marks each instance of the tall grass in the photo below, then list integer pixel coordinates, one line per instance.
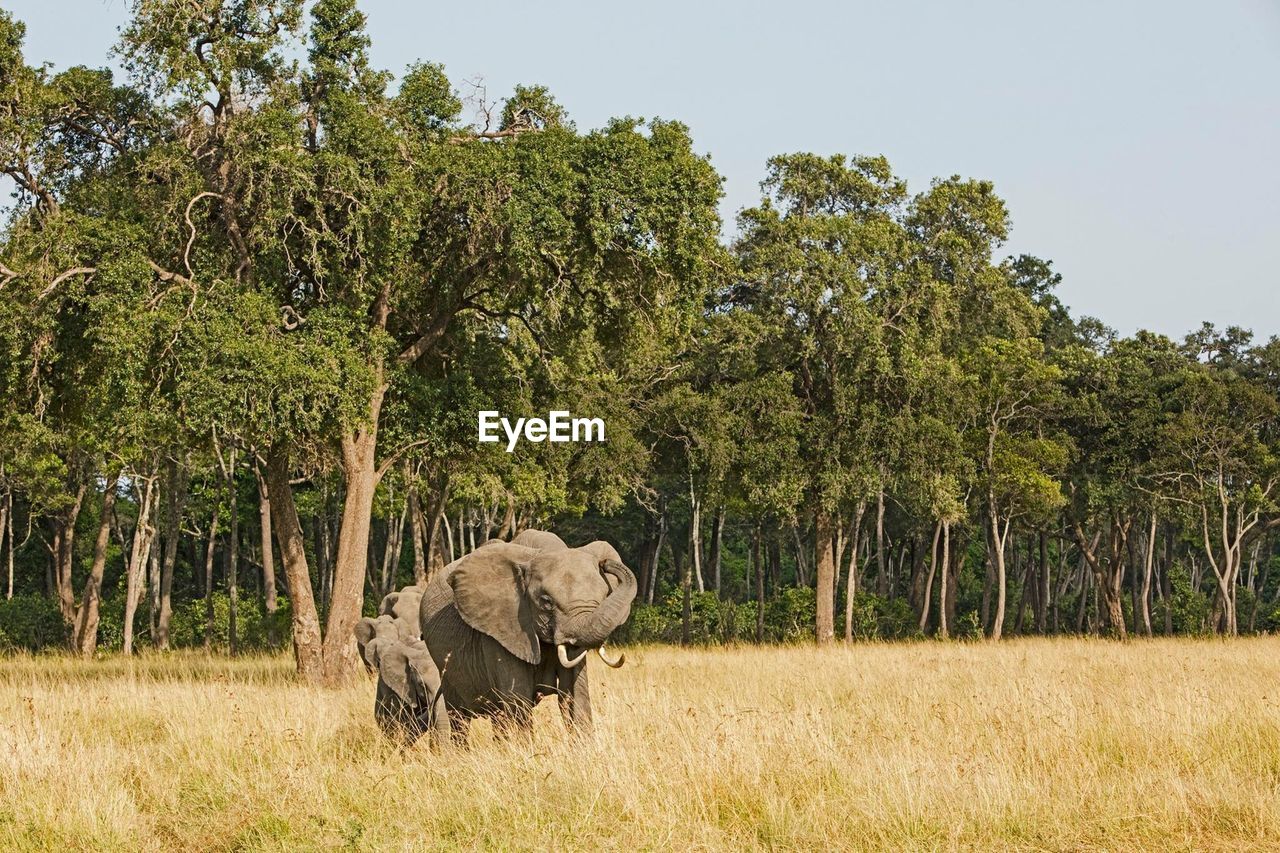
(1030, 744)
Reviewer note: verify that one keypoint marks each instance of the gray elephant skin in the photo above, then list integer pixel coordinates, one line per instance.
(408, 703)
(510, 623)
(397, 619)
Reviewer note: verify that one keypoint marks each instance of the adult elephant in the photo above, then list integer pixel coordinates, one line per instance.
(509, 624)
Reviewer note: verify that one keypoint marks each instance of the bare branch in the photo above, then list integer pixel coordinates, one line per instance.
(186, 254)
(400, 451)
(53, 285)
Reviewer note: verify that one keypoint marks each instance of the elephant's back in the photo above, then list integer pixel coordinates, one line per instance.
(540, 540)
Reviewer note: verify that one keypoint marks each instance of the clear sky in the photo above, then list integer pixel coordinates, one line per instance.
(1137, 143)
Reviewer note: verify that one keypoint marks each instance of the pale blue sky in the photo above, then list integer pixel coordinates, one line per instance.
(1137, 143)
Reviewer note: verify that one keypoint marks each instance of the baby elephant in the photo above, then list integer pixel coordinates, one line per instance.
(408, 702)
(374, 634)
(397, 620)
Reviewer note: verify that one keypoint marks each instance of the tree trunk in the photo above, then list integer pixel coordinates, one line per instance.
(1147, 573)
(86, 634)
(851, 579)
(7, 529)
(758, 563)
(210, 549)
(927, 592)
(393, 549)
(1042, 599)
(657, 554)
(508, 527)
(307, 648)
(435, 547)
(418, 528)
(825, 570)
(695, 535)
(64, 555)
(268, 552)
(882, 576)
(324, 553)
(802, 568)
(175, 502)
(717, 545)
(1083, 607)
(686, 586)
(153, 570)
(139, 555)
(361, 477)
(946, 580)
(232, 568)
(448, 536)
(998, 539)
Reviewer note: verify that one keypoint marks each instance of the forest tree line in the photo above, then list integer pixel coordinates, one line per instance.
(253, 296)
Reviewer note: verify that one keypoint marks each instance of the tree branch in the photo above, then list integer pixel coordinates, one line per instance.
(390, 460)
(53, 285)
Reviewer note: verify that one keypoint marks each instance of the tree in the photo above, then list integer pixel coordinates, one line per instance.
(1013, 392)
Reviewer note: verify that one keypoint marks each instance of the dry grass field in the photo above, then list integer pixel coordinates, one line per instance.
(1026, 745)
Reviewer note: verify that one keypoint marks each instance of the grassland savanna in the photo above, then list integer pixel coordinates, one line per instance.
(1033, 744)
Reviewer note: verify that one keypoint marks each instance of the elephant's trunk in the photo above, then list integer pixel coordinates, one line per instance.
(591, 629)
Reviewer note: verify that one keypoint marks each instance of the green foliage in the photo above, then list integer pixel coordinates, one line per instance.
(253, 240)
(789, 618)
(31, 622)
(1191, 607)
(255, 628)
(789, 614)
(878, 618)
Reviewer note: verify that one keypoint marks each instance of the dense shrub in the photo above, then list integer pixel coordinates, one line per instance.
(880, 618)
(788, 616)
(30, 622)
(1191, 607)
(255, 628)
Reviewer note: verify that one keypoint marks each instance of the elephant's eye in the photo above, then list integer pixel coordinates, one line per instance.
(545, 602)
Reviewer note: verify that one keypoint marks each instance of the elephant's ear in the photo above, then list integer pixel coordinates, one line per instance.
(388, 606)
(375, 650)
(364, 631)
(489, 592)
(424, 678)
(393, 669)
(602, 551)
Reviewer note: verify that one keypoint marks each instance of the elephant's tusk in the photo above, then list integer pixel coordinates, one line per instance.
(622, 658)
(563, 654)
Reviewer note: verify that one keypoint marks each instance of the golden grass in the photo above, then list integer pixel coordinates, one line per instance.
(1028, 745)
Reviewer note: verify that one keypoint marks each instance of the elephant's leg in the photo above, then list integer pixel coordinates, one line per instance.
(440, 728)
(575, 699)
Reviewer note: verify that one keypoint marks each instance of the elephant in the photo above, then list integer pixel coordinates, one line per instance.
(403, 606)
(408, 702)
(509, 624)
(372, 633)
(543, 540)
(397, 619)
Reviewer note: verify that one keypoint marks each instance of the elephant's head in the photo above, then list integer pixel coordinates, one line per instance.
(543, 540)
(570, 598)
(371, 634)
(408, 671)
(403, 606)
